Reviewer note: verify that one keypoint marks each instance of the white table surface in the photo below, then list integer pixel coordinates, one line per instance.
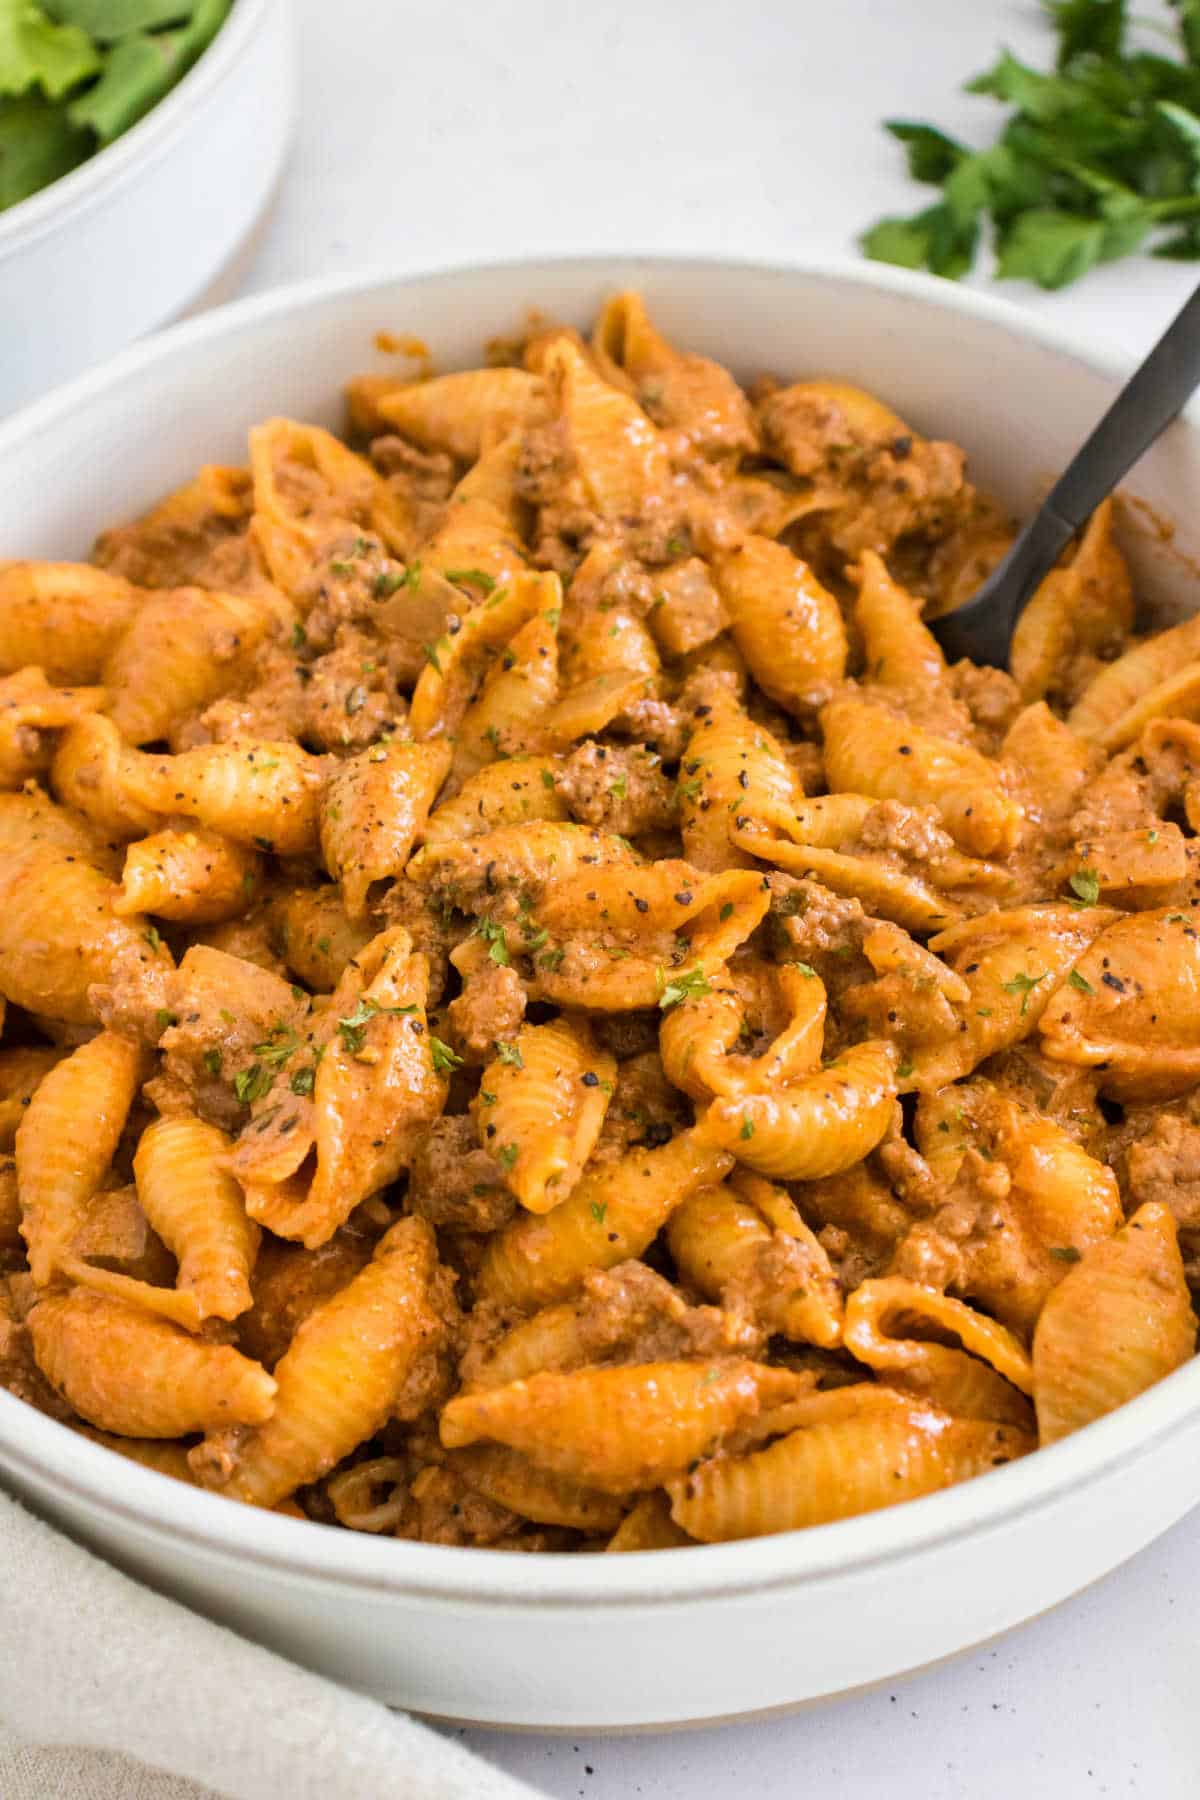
(433, 132)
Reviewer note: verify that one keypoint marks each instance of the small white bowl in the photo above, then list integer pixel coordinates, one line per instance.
(592, 1641)
(138, 231)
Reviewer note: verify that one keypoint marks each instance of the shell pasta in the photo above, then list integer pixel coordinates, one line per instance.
(539, 1012)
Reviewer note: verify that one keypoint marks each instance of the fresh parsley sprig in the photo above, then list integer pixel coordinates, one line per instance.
(1099, 157)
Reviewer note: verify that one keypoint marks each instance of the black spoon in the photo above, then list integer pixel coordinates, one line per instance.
(982, 629)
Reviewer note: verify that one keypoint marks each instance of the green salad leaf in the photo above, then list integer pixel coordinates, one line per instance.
(75, 74)
(38, 143)
(109, 20)
(1098, 157)
(137, 73)
(35, 52)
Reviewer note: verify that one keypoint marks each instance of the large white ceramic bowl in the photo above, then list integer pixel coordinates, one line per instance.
(138, 231)
(685, 1634)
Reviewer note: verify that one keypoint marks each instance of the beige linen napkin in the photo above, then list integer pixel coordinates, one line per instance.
(107, 1690)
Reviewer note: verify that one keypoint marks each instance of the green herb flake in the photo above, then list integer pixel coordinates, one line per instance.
(299, 636)
(252, 1083)
(1079, 982)
(212, 1061)
(507, 1155)
(152, 938)
(510, 1053)
(1065, 1253)
(747, 1130)
(905, 1070)
(548, 779)
(444, 1058)
(303, 1081)
(1085, 885)
(493, 936)
(690, 986)
(164, 1018)
(471, 578)
(619, 788)
(1024, 985)
(276, 1050)
(598, 1210)
(353, 1028)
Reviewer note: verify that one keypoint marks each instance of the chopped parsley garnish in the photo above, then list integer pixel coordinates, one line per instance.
(212, 1061)
(692, 985)
(353, 1028)
(431, 654)
(493, 936)
(386, 583)
(507, 1155)
(548, 779)
(152, 938)
(510, 1053)
(303, 1081)
(278, 1048)
(252, 1083)
(806, 969)
(598, 1209)
(1065, 1253)
(444, 1058)
(1076, 980)
(1024, 985)
(1085, 884)
(164, 1018)
(299, 636)
(619, 788)
(472, 578)
(551, 959)
(747, 1130)
(905, 1070)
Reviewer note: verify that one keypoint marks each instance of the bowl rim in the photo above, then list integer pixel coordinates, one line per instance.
(109, 168)
(53, 1455)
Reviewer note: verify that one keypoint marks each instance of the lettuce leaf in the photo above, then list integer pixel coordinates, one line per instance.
(38, 144)
(35, 52)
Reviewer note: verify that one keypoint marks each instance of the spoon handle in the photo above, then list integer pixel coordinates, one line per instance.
(982, 628)
(1140, 412)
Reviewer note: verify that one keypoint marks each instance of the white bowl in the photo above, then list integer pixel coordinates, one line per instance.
(134, 234)
(685, 1634)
